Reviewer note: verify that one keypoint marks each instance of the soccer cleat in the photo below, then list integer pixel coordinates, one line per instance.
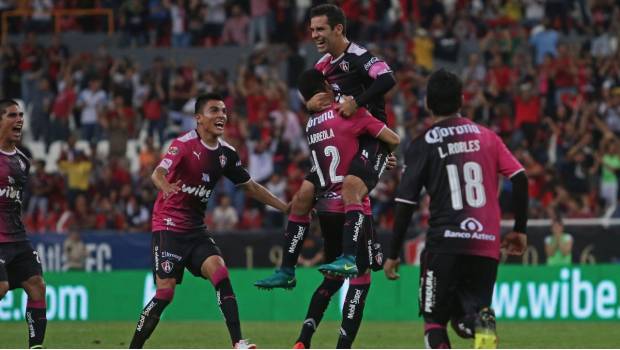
(344, 265)
(244, 344)
(282, 278)
(299, 345)
(485, 335)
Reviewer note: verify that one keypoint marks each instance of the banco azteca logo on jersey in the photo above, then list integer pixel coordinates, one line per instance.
(472, 225)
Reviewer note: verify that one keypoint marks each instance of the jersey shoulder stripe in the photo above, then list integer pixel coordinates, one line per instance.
(22, 154)
(356, 49)
(226, 144)
(324, 59)
(188, 137)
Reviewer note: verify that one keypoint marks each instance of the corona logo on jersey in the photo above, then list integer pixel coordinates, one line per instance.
(470, 229)
(437, 134)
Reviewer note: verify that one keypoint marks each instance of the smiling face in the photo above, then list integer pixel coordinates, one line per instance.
(11, 124)
(325, 37)
(212, 118)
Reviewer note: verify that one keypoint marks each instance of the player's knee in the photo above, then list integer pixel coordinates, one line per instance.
(4, 288)
(353, 189)
(164, 294)
(35, 288)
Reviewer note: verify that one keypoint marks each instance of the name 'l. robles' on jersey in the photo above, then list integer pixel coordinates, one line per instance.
(353, 72)
(333, 142)
(14, 170)
(458, 163)
(198, 167)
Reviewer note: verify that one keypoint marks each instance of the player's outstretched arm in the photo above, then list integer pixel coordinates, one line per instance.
(159, 179)
(402, 218)
(263, 195)
(515, 242)
(388, 136)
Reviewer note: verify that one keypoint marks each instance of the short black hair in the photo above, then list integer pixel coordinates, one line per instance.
(334, 15)
(444, 93)
(202, 100)
(6, 103)
(310, 82)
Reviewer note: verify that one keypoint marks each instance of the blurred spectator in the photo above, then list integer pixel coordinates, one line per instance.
(62, 109)
(225, 217)
(77, 168)
(179, 18)
(137, 215)
(42, 99)
(92, 102)
(236, 27)
(545, 40)
(41, 185)
(610, 166)
(41, 19)
(74, 251)
(133, 19)
(273, 217)
(149, 155)
(259, 24)
(558, 245)
(261, 155)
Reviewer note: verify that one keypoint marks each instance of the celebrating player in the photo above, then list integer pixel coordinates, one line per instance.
(333, 142)
(458, 162)
(186, 177)
(20, 266)
(359, 79)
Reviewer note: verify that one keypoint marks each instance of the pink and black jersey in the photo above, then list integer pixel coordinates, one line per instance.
(14, 170)
(333, 142)
(458, 162)
(198, 167)
(353, 72)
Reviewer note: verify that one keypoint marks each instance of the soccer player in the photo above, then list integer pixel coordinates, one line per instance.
(20, 266)
(333, 142)
(458, 162)
(186, 177)
(359, 79)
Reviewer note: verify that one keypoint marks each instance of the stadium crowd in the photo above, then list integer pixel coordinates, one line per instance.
(545, 75)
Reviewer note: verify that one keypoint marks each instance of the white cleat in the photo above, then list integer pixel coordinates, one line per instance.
(244, 344)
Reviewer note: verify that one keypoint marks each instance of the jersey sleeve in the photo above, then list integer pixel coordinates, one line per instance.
(414, 176)
(234, 170)
(374, 66)
(173, 156)
(365, 123)
(508, 165)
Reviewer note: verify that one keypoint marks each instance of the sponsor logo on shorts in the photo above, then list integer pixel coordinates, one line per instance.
(165, 254)
(429, 291)
(167, 266)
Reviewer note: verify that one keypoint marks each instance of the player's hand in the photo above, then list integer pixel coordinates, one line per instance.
(319, 102)
(170, 189)
(390, 267)
(348, 106)
(515, 243)
(289, 205)
(391, 162)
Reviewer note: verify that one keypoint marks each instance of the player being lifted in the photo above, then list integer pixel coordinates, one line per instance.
(359, 79)
(333, 142)
(186, 177)
(20, 266)
(458, 162)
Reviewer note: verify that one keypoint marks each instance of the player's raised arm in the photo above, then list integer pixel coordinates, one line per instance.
(263, 195)
(383, 81)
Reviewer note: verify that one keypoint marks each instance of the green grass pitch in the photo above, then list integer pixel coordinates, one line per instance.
(201, 334)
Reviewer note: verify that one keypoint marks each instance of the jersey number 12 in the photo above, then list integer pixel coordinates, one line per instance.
(474, 189)
(329, 151)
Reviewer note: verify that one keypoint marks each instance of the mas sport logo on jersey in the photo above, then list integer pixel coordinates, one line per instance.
(470, 229)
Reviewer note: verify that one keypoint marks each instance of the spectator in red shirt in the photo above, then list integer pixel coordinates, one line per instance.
(62, 110)
(527, 111)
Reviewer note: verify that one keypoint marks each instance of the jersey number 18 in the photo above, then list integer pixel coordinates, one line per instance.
(474, 189)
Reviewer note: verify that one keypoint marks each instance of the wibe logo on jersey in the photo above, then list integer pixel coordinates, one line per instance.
(437, 134)
(10, 192)
(199, 191)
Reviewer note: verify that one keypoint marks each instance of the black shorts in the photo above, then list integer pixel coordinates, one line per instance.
(369, 254)
(18, 262)
(368, 163)
(174, 251)
(454, 285)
